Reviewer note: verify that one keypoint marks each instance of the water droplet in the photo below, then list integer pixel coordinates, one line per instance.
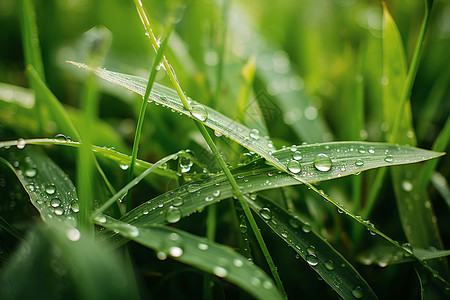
(254, 134)
(173, 215)
(407, 186)
(55, 202)
(59, 211)
(73, 234)
(306, 228)
(218, 134)
(209, 199)
(294, 222)
(192, 188)
(238, 263)
(30, 172)
(220, 271)
(294, 167)
(311, 250)
(50, 189)
(21, 144)
(357, 292)
(389, 158)
(178, 201)
(311, 113)
(322, 162)
(175, 251)
(100, 219)
(61, 138)
(216, 193)
(75, 207)
(329, 264)
(199, 112)
(359, 163)
(266, 213)
(124, 166)
(312, 260)
(297, 155)
(243, 228)
(202, 246)
(185, 164)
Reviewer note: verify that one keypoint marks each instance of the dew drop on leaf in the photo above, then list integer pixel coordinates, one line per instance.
(329, 264)
(266, 213)
(199, 112)
(357, 292)
(31, 172)
(21, 144)
(312, 260)
(389, 158)
(50, 189)
(359, 163)
(294, 167)
(322, 162)
(254, 134)
(220, 271)
(173, 215)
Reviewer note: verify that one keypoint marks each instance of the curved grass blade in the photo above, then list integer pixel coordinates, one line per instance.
(199, 252)
(346, 158)
(50, 190)
(320, 255)
(108, 153)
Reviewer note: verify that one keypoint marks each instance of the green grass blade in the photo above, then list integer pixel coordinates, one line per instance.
(108, 153)
(54, 199)
(199, 252)
(56, 110)
(320, 255)
(258, 175)
(55, 260)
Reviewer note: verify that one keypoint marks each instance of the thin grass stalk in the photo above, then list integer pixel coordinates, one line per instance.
(213, 147)
(151, 80)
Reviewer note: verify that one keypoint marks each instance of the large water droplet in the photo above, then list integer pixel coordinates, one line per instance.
(306, 228)
(216, 193)
(357, 292)
(185, 164)
(173, 215)
(312, 260)
(297, 155)
(50, 189)
(30, 172)
(220, 271)
(359, 163)
(73, 234)
(55, 202)
(294, 167)
(199, 112)
(322, 162)
(294, 222)
(59, 211)
(21, 144)
(60, 138)
(192, 188)
(124, 166)
(266, 213)
(178, 201)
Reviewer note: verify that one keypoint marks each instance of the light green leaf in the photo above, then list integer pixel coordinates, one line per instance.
(200, 253)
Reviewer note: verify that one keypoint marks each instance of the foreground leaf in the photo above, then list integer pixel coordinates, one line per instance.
(200, 253)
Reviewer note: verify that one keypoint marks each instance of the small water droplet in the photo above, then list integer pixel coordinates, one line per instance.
(407, 186)
(357, 292)
(199, 112)
(306, 228)
(216, 193)
(220, 271)
(75, 207)
(311, 250)
(294, 167)
(254, 134)
(294, 222)
(60, 138)
(238, 263)
(21, 144)
(329, 264)
(100, 219)
(173, 215)
(218, 134)
(202, 246)
(59, 211)
(266, 213)
(389, 158)
(124, 166)
(297, 155)
(73, 234)
(55, 202)
(50, 189)
(322, 162)
(192, 188)
(209, 198)
(30, 172)
(178, 201)
(185, 164)
(359, 163)
(312, 260)
(175, 251)
(243, 228)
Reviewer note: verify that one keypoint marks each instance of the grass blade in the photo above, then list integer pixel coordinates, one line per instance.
(199, 252)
